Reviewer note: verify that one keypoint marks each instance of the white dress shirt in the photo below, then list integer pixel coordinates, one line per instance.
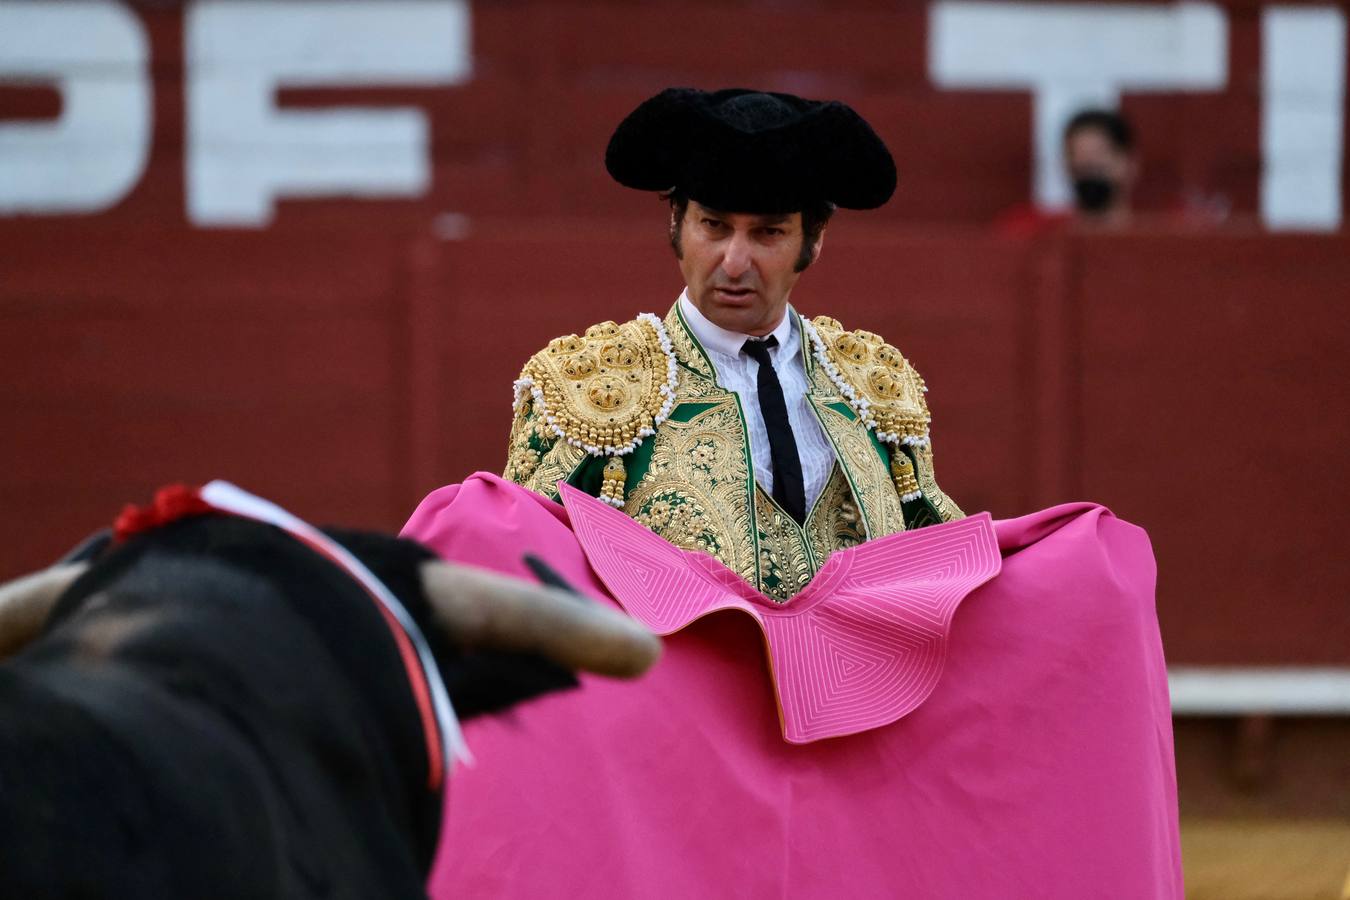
(739, 373)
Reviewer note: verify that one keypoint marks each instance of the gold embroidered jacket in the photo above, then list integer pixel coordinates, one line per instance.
(633, 414)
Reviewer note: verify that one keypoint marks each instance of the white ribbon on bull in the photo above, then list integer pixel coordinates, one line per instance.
(226, 497)
(476, 608)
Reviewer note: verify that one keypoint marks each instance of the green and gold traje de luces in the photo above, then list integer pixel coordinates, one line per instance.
(632, 413)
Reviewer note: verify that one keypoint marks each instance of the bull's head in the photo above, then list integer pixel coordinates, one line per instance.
(482, 615)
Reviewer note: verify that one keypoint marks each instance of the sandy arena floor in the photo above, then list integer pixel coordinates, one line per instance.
(1233, 859)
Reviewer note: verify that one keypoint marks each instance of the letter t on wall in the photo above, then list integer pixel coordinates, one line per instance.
(1071, 55)
(244, 153)
(1302, 116)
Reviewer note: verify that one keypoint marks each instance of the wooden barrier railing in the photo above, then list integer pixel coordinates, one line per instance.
(1194, 384)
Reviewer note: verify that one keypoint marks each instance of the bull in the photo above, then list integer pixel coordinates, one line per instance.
(215, 706)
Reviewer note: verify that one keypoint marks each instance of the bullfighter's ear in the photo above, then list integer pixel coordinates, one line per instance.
(482, 610)
(26, 602)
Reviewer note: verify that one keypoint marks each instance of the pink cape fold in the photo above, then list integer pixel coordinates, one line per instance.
(1040, 765)
(861, 646)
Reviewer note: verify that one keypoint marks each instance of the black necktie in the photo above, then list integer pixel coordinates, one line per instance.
(787, 467)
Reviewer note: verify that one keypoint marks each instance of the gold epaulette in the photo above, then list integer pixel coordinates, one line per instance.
(876, 380)
(603, 391)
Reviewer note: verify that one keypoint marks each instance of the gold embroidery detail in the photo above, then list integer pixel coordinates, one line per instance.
(535, 458)
(852, 347)
(947, 510)
(606, 395)
(889, 356)
(555, 466)
(836, 523)
(902, 470)
(887, 388)
(886, 382)
(691, 357)
(879, 505)
(611, 487)
(693, 493)
(619, 355)
(605, 390)
(603, 330)
(785, 564)
(789, 557)
(524, 461)
(881, 510)
(579, 366)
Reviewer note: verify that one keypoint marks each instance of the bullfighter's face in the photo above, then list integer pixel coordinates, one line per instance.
(740, 267)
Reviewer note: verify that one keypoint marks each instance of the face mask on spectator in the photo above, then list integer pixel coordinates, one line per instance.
(1093, 193)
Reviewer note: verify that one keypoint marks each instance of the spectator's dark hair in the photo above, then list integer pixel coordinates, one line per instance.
(814, 219)
(1111, 124)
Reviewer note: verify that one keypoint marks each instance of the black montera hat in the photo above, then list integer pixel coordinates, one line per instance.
(748, 151)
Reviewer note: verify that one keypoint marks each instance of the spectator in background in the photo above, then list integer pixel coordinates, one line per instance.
(1099, 157)
(1100, 162)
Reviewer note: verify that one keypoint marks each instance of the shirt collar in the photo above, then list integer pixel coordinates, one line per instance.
(718, 339)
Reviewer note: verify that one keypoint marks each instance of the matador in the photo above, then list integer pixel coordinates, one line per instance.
(733, 425)
(863, 692)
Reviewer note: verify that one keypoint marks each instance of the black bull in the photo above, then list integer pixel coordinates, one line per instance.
(214, 710)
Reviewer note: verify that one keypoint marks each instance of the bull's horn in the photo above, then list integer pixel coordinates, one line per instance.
(26, 602)
(484, 610)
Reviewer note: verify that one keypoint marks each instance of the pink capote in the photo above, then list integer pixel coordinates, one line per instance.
(860, 647)
(1040, 765)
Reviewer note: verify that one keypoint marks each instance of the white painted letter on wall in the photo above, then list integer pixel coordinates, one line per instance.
(1071, 55)
(96, 54)
(1302, 116)
(244, 152)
